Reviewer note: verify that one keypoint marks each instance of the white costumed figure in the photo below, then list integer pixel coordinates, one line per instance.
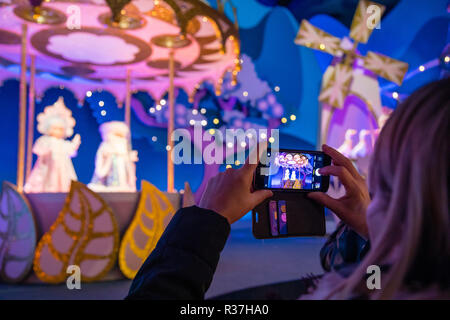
(115, 169)
(53, 170)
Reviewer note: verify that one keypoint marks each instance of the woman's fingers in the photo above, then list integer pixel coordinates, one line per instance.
(253, 158)
(259, 196)
(342, 173)
(340, 160)
(326, 201)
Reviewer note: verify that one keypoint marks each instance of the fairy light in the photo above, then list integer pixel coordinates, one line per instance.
(237, 162)
(202, 110)
(395, 95)
(421, 68)
(194, 112)
(271, 139)
(168, 148)
(283, 120)
(192, 122)
(162, 102)
(277, 89)
(263, 136)
(447, 59)
(228, 166)
(245, 93)
(293, 117)
(243, 144)
(204, 122)
(101, 103)
(152, 110)
(103, 113)
(230, 145)
(158, 107)
(216, 121)
(154, 138)
(322, 46)
(211, 131)
(89, 94)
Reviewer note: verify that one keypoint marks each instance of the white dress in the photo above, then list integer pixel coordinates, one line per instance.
(53, 170)
(114, 169)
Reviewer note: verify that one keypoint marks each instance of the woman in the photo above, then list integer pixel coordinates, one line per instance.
(406, 218)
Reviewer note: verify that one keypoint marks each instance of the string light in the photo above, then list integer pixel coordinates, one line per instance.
(152, 110)
(89, 94)
(277, 88)
(263, 136)
(243, 144)
(322, 46)
(447, 59)
(158, 107)
(103, 113)
(101, 103)
(192, 122)
(194, 112)
(237, 162)
(204, 122)
(228, 166)
(245, 93)
(216, 121)
(212, 131)
(230, 144)
(283, 120)
(421, 68)
(168, 148)
(154, 138)
(271, 139)
(162, 102)
(202, 110)
(395, 95)
(293, 117)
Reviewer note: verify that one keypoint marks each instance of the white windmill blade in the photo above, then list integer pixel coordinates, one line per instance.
(366, 18)
(313, 37)
(386, 67)
(335, 85)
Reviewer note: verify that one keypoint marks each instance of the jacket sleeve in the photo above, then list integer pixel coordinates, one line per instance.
(344, 247)
(185, 258)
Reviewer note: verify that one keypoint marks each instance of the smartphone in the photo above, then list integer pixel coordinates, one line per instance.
(292, 170)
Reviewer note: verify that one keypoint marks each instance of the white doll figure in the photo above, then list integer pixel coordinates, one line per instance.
(53, 170)
(347, 145)
(115, 161)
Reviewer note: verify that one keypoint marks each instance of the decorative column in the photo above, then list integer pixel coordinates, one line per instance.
(22, 111)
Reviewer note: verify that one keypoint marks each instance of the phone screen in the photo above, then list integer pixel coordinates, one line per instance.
(293, 170)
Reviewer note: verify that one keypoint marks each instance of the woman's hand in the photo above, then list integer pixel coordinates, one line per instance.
(230, 193)
(351, 208)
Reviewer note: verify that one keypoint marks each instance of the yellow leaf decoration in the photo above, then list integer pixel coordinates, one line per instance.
(17, 235)
(84, 234)
(152, 216)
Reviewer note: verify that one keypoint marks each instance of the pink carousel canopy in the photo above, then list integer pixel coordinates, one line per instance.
(83, 52)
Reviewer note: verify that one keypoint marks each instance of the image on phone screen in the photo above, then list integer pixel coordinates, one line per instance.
(293, 170)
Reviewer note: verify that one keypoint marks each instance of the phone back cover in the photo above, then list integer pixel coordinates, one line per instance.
(305, 217)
